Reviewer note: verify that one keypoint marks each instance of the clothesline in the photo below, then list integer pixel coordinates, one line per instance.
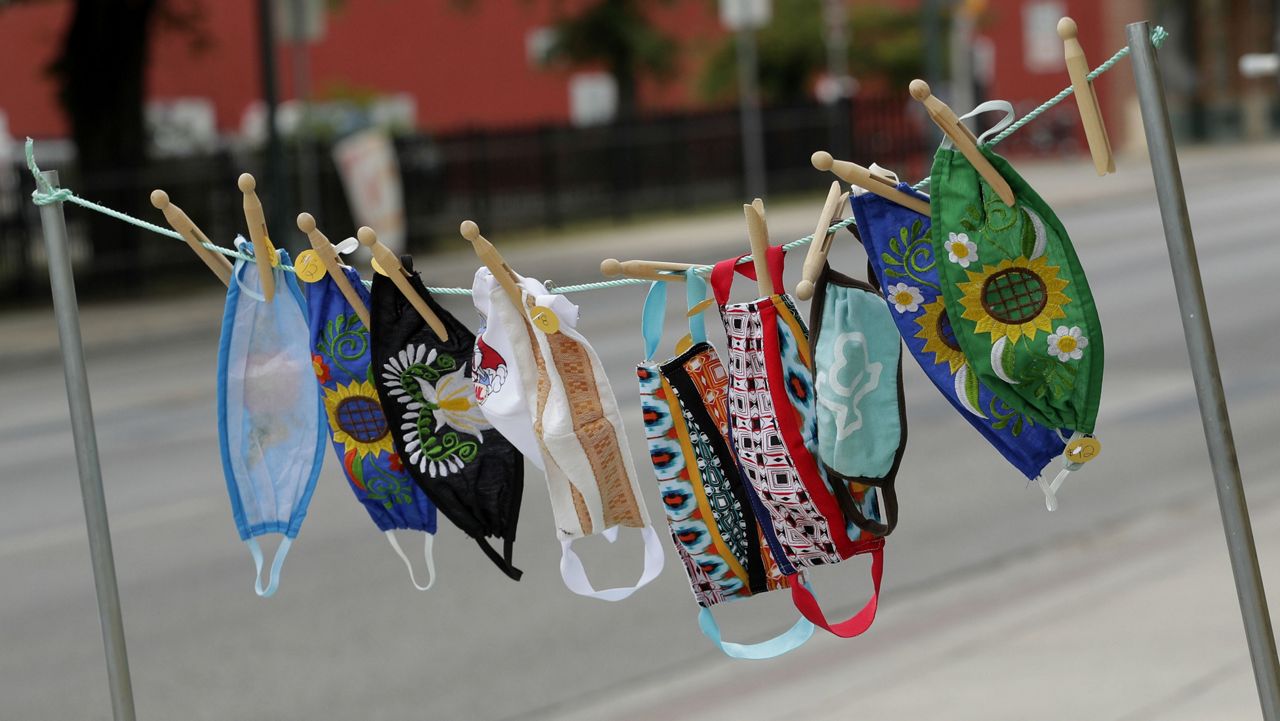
(44, 194)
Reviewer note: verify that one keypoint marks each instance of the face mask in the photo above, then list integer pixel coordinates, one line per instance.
(684, 403)
(471, 473)
(862, 424)
(900, 254)
(1018, 299)
(774, 431)
(554, 393)
(360, 431)
(270, 426)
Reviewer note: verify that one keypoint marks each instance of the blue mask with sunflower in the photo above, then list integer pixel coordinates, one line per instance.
(901, 256)
(360, 432)
(270, 423)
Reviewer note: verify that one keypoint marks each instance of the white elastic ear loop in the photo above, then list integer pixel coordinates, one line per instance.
(273, 581)
(426, 552)
(575, 576)
(1050, 489)
(990, 106)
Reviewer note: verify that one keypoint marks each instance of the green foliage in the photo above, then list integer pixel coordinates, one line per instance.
(884, 45)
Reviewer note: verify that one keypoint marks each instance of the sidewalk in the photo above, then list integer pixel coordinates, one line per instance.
(31, 336)
(1061, 633)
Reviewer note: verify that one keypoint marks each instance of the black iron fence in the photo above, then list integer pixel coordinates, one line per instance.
(520, 178)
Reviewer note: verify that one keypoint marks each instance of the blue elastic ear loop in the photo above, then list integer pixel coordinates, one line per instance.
(652, 318)
(276, 563)
(696, 289)
(785, 642)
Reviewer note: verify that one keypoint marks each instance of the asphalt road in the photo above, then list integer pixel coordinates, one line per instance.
(347, 637)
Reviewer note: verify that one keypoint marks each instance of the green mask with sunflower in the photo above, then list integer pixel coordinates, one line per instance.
(1017, 295)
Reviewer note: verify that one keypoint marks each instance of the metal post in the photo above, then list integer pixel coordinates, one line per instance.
(275, 183)
(749, 111)
(67, 312)
(1204, 369)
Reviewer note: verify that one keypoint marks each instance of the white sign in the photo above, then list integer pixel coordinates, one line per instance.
(745, 14)
(1041, 46)
(593, 98)
(371, 178)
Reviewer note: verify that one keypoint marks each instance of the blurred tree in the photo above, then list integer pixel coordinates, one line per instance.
(101, 75)
(617, 35)
(885, 47)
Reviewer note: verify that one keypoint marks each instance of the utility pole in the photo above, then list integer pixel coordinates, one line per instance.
(745, 17)
(274, 180)
(842, 85)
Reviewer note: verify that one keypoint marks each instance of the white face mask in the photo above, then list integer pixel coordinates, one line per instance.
(549, 395)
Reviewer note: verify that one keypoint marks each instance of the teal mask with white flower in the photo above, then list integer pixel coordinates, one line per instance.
(862, 425)
(1018, 299)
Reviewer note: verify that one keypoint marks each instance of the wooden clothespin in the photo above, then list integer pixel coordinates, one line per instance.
(758, 234)
(880, 185)
(821, 245)
(963, 138)
(396, 272)
(179, 221)
(328, 256)
(263, 251)
(645, 269)
(1095, 131)
(492, 260)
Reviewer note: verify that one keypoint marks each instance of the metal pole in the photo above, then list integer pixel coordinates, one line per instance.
(67, 312)
(749, 112)
(1204, 369)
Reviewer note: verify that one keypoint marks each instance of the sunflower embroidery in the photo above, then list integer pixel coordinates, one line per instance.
(1014, 298)
(356, 418)
(961, 250)
(939, 337)
(1068, 343)
(905, 298)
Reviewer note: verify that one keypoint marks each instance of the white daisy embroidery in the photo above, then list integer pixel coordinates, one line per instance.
(905, 298)
(961, 250)
(1068, 343)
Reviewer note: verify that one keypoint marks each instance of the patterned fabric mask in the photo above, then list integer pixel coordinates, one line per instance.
(900, 254)
(774, 430)
(471, 473)
(1018, 298)
(361, 434)
(270, 426)
(554, 397)
(685, 407)
(862, 422)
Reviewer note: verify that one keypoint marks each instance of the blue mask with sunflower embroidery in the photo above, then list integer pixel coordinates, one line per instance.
(473, 475)
(270, 424)
(1020, 305)
(900, 255)
(359, 429)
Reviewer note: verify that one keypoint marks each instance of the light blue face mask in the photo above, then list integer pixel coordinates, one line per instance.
(270, 421)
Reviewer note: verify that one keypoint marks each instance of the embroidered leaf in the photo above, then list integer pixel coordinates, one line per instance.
(971, 389)
(1028, 236)
(1007, 359)
(916, 227)
(889, 259)
(893, 241)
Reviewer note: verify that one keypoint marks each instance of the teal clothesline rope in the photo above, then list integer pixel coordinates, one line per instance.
(45, 194)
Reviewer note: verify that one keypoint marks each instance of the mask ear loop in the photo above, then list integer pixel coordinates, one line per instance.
(653, 317)
(426, 552)
(991, 106)
(785, 642)
(804, 600)
(1050, 489)
(575, 575)
(274, 575)
(241, 266)
(695, 296)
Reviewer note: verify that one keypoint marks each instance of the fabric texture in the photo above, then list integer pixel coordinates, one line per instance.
(468, 470)
(361, 433)
(270, 422)
(1018, 298)
(901, 257)
(862, 423)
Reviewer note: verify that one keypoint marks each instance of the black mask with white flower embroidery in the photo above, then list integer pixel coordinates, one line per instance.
(473, 475)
